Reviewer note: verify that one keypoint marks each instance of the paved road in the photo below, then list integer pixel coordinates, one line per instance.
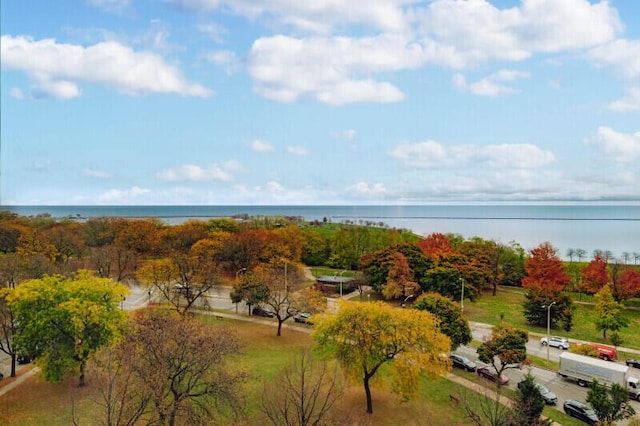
(563, 389)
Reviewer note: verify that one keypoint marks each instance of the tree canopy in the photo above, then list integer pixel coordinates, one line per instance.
(365, 336)
(452, 322)
(63, 321)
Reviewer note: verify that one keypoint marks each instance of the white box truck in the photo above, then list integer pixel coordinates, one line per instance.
(583, 370)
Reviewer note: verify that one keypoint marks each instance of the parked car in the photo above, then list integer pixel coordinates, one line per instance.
(462, 362)
(261, 312)
(549, 397)
(633, 363)
(580, 411)
(490, 373)
(24, 359)
(555, 342)
(303, 317)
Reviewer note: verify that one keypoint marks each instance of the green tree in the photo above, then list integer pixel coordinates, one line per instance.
(507, 348)
(251, 290)
(610, 404)
(452, 323)
(610, 315)
(534, 309)
(365, 336)
(64, 321)
(528, 403)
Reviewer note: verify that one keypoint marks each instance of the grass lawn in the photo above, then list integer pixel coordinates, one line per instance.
(36, 402)
(507, 306)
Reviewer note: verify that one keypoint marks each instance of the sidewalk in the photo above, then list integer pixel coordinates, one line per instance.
(18, 380)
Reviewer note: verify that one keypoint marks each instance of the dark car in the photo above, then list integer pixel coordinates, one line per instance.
(23, 359)
(462, 362)
(490, 373)
(261, 312)
(633, 363)
(303, 317)
(580, 411)
(549, 397)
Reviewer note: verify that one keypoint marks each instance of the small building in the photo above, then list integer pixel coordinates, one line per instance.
(334, 284)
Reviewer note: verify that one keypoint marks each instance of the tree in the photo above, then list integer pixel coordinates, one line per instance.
(535, 310)
(610, 315)
(375, 266)
(628, 285)
(365, 336)
(610, 404)
(250, 290)
(74, 318)
(507, 348)
(179, 368)
(545, 271)
(529, 404)
(303, 393)
(400, 281)
(452, 324)
(594, 275)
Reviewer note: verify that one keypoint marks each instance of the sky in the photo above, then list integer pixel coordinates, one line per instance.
(319, 102)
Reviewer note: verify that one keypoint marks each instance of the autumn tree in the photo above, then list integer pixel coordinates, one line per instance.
(74, 318)
(303, 393)
(250, 289)
(375, 266)
(627, 286)
(436, 246)
(365, 336)
(545, 283)
(609, 313)
(506, 348)
(452, 323)
(594, 276)
(180, 370)
(8, 327)
(315, 248)
(400, 282)
(284, 281)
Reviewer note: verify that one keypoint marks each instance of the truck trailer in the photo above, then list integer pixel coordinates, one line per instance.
(583, 370)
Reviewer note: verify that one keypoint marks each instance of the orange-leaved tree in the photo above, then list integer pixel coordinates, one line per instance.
(594, 275)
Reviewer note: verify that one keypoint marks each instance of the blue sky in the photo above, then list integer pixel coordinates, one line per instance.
(161, 102)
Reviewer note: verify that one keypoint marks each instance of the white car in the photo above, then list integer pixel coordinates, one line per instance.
(556, 342)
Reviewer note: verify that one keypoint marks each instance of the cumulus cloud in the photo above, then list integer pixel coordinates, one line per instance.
(629, 102)
(261, 146)
(297, 150)
(334, 70)
(123, 196)
(96, 173)
(506, 156)
(363, 189)
(193, 173)
(56, 69)
(619, 147)
(622, 56)
(493, 85)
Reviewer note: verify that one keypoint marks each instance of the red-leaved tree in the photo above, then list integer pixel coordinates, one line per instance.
(545, 271)
(594, 275)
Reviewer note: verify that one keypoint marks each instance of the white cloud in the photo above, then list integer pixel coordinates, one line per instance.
(193, 173)
(622, 56)
(225, 58)
(347, 135)
(506, 156)
(493, 85)
(214, 31)
(96, 173)
(629, 102)
(261, 146)
(620, 147)
(334, 70)
(113, 6)
(297, 150)
(57, 68)
(123, 196)
(363, 189)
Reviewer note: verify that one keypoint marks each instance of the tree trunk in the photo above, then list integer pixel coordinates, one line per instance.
(82, 382)
(279, 327)
(13, 364)
(367, 391)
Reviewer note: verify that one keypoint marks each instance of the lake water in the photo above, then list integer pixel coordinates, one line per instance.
(614, 227)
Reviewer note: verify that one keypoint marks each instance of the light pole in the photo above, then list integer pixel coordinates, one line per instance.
(548, 325)
(405, 300)
(462, 295)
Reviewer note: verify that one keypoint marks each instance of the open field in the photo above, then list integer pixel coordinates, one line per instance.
(36, 402)
(507, 306)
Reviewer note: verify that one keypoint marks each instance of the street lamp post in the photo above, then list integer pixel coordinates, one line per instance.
(548, 325)
(462, 295)
(405, 300)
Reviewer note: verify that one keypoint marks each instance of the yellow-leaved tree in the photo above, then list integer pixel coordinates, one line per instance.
(365, 336)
